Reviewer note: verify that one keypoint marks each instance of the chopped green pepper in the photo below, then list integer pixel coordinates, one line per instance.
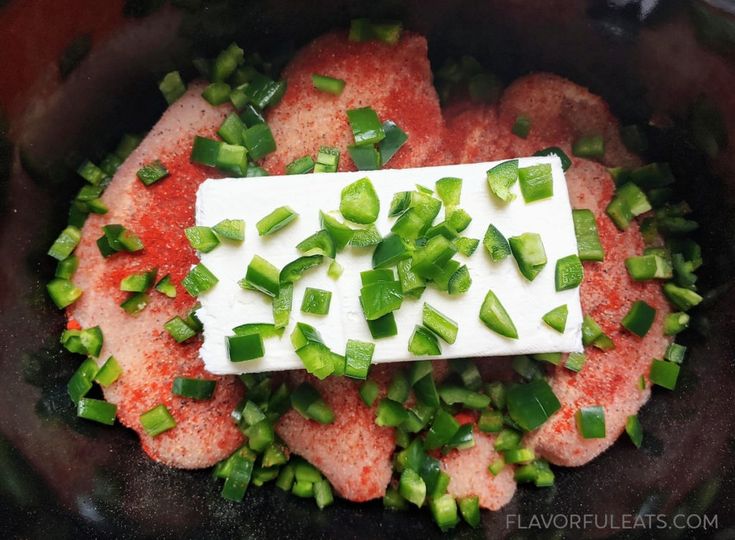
(199, 280)
(341, 234)
(412, 487)
(501, 179)
(367, 237)
(522, 126)
(496, 466)
(236, 482)
(675, 323)
(466, 246)
(259, 141)
(263, 91)
(591, 422)
(65, 243)
(664, 374)
(335, 270)
(528, 251)
(490, 421)
(634, 430)
(517, 456)
(411, 284)
(319, 243)
(152, 173)
(261, 276)
(365, 158)
(193, 388)
(399, 387)
(589, 246)
(639, 318)
(166, 287)
(282, 305)
(495, 317)
(359, 202)
(66, 268)
(243, 348)
(316, 301)
(366, 127)
(440, 324)
(266, 330)
(358, 356)
(369, 392)
(557, 318)
(91, 173)
(575, 361)
(531, 404)
(323, 494)
(550, 358)
(443, 428)
(81, 381)
(296, 269)
(496, 244)
(172, 87)
(380, 298)
(390, 413)
(459, 220)
(63, 292)
(231, 129)
(201, 238)
(444, 510)
(317, 359)
(558, 152)
(592, 335)
(179, 329)
(569, 273)
(217, 93)
(157, 420)
(648, 267)
(423, 342)
(391, 250)
(231, 229)
(394, 139)
(537, 182)
(109, 372)
(88, 341)
(682, 298)
(275, 221)
(591, 147)
(327, 84)
(383, 327)
(430, 259)
(451, 395)
(675, 353)
(307, 401)
(449, 191)
(327, 160)
(97, 410)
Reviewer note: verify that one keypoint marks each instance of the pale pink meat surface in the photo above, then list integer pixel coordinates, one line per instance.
(469, 474)
(149, 357)
(610, 378)
(354, 453)
(395, 80)
(560, 111)
(474, 134)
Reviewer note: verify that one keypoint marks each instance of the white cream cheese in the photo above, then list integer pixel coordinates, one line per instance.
(227, 305)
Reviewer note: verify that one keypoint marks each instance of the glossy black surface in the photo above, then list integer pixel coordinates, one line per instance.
(62, 477)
